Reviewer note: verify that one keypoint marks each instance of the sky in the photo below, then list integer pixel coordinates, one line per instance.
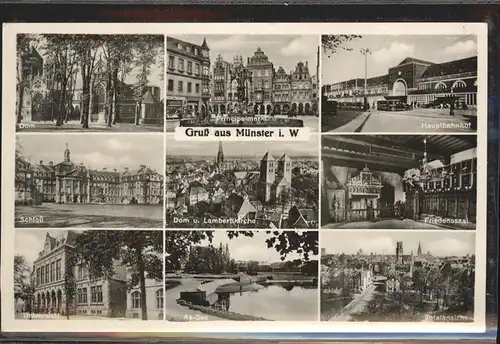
(390, 50)
(245, 148)
(97, 151)
(154, 78)
(28, 243)
(283, 50)
(438, 243)
(246, 248)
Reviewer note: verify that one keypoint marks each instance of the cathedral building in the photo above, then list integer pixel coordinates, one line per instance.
(275, 178)
(67, 182)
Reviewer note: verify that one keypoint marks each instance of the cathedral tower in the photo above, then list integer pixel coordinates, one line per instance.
(285, 168)
(267, 177)
(419, 249)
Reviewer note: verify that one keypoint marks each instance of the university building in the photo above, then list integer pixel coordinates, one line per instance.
(413, 81)
(188, 76)
(267, 90)
(67, 182)
(106, 297)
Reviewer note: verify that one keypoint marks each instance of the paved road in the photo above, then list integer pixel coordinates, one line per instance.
(36, 126)
(176, 312)
(356, 305)
(418, 120)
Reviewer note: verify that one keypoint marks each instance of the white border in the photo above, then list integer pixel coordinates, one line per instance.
(7, 206)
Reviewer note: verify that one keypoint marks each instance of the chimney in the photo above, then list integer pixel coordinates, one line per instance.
(41, 162)
(306, 64)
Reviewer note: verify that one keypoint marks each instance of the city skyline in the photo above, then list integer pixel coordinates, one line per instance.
(244, 148)
(439, 244)
(390, 50)
(282, 50)
(250, 248)
(29, 243)
(106, 151)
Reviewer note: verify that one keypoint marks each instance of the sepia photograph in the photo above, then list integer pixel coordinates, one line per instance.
(399, 182)
(80, 82)
(73, 181)
(398, 276)
(242, 81)
(243, 184)
(241, 275)
(88, 274)
(399, 83)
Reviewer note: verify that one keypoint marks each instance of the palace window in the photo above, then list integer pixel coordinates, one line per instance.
(38, 281)
(136, 299)
(42, 275)
(96, 294)
(159, 299)
(197, 69)
(47, 274)
(189, 87)
(171, 62)
(180, 86)
(197, 88)
(181, 65)
(190, 67)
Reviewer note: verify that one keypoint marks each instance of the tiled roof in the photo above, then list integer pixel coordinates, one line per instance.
(412, 59)
(466, 65)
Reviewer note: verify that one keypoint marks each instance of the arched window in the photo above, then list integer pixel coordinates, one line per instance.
(440, 86)
(459, 84)
(136, 299)
(159, 298)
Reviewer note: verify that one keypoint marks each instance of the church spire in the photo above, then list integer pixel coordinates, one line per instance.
(419, 249)
(220, 155)
(67, 154)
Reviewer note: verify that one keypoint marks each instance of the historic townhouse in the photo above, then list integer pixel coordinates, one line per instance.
(188, 76)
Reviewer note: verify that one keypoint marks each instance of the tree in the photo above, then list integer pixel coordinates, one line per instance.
(86, 48)
(139, 251)
(23, 70)
(21, 277)
(332, 43)
(146, 52)
(305, 244)
(62, 59)
(70, 261)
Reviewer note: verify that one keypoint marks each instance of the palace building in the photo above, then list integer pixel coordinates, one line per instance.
(387, 181)
(67, 182)
(413, 81)
(188, 76)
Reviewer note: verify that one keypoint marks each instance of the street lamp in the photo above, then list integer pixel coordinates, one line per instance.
(366, 52)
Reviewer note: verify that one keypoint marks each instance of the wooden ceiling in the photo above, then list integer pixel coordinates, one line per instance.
(437, 145)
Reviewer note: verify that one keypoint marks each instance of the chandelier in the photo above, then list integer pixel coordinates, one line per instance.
(417, 177)
(425, 171)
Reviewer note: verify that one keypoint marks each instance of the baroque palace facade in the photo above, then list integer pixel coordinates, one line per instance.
(268, 91)
(67, 182)
(415, 81)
